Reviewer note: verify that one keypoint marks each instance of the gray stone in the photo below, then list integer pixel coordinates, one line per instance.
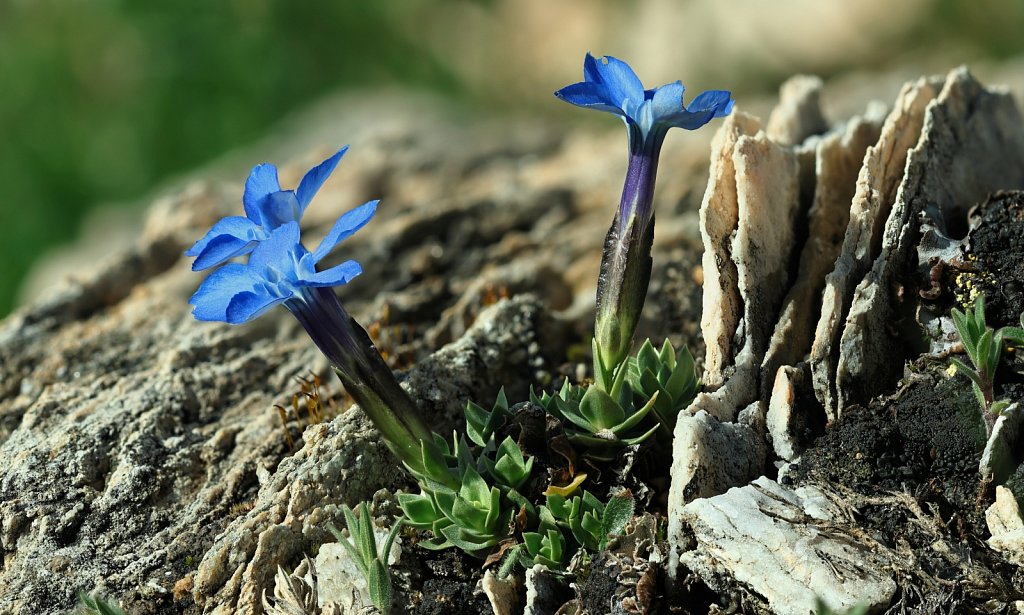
(972, 144)
(785, 548)
(880, 176)
(798, 114)
(708, 458)
(544, 591)
(1006, 526)
(1000, 458)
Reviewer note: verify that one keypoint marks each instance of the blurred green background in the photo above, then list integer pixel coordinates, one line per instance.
(102, 100)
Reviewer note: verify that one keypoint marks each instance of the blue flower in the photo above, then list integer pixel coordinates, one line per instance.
(611, 85)
(267, 207)
(280, 270)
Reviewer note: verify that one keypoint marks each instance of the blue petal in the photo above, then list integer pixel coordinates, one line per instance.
(346, 225)
(316, 177)
(687, 120)
(719, 101)
(228, 238)
(251, 304)
(221, 249)
(589, 95)
(262, 182)
(278, 208)
(335, 276)
(617, 79)
(667, 99)
(215, 293)
(280, 251)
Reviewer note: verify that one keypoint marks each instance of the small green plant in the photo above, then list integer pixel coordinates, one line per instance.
(94, 604)
(602, 422)
(361, 544)
(669, 376)
(983, 346)
(590, 521)
(476, 516)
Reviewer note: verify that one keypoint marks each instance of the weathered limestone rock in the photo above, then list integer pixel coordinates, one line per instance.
(1006, 525)
(544, 592)
(1002, 451)
(798, 114)
(503, 594)
(708, 458)
(838, 159)
(972, 144)
(783, 547)
(719, 214)
(880, 176)
(767, 196)
(783, 413)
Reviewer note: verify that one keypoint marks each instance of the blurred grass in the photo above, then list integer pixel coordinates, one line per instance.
(102, 99)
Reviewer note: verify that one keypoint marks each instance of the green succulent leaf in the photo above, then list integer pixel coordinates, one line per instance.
(635, 418)
(474, 488)
(511, 468)
(647, 358)
(418, 509)
(467, 541)
(600, 410)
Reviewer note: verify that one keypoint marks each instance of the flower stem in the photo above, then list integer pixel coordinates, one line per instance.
(369, 381)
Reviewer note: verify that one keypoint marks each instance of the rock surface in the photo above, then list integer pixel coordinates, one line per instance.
(785, 547)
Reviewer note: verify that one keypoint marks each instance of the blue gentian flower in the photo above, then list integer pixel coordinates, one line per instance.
(267, 207)
(279, 270)
(611, 85)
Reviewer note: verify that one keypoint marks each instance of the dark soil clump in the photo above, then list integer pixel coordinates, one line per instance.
(908, 465)
(996, 252)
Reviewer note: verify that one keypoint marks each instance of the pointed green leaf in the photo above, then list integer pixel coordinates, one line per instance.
(617, 513)
(635, 418)
(998, 406)
(979, 311)
(476, 422)
(385, 553)
(1013, 335)
(979, 395)
(465, 541)
(619, 381)
(667, 355)
(378, 581)
(642, 437)
(600, 409)
(509, 561)
(353, 553)
(647, 357)
(419, 509)
(367, 544)
(983, 360)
